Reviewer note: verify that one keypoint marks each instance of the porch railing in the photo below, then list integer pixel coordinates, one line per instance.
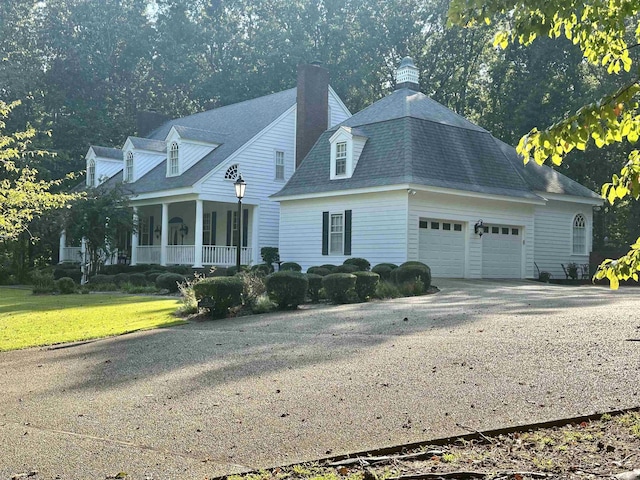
(181, 254)
(149, 254)
(214, 255)
(71, 254)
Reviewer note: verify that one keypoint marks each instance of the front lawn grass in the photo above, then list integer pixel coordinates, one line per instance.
(28, 320)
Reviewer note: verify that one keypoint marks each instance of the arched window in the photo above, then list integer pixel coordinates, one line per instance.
(231, 173)
(579, 235)
(128, 168)
(174, 166)
(91, 173)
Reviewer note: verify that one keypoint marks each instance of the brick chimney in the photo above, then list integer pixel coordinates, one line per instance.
(313, 106)
(147, 121)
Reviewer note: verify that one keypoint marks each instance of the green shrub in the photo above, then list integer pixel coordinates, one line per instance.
(231, 271)
(345, 269)
(254, 286)
(42, 281)
(66, 285)
(180, 269)
(114, 269)
(411, 273)
(101, 279)
(329, 267)
(366, 283)
(102, 287)
(226, 292)
(70, 270)
(152, 275)
(412, 288)
(169, 281)
(413, 263)
(261, 268)
(263, 304)
(121, 278)
(385, 289)
(362, 263)
(383, 270)
(131, 288)
(392, 266)
(270, 256)
(340, 287)
(287, 289)
(319, 271)
(315, 284)
(139, 279)
(290, 267)
(218, 272)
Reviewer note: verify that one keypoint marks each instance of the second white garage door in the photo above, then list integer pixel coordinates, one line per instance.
(502, 252)
(442, 247)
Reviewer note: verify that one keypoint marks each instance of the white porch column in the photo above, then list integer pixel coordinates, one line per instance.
(255, 237)
(198, 241)
(63, 244)
(134, 237)
(164, 237)
(84, 265)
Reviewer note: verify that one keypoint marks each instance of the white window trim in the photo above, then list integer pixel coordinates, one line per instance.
(331, 233)
(91, 172)
(283, 165)
(127, 175)
(171, 171)
(584, 234)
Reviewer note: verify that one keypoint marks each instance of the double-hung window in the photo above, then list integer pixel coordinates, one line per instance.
(279, 165)
(91, 173)
(128, 170)
(341, 158)
(174, 166)
(336, 234)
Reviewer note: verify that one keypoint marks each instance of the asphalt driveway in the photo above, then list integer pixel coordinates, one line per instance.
(217, 397)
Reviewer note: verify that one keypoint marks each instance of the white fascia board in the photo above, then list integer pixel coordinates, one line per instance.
(91, 153)
(337, 98)
(418, 188)
(163, 195)
(571, 198)
(344, 132)
(231, 158)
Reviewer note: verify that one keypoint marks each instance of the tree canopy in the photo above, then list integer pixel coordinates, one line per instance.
(605, 32)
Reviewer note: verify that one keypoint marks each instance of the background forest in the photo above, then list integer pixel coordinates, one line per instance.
(84, 68)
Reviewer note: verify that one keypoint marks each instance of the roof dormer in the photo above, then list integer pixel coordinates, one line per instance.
(102, 164)
(140, 155)
(187, 146)
(346, 146)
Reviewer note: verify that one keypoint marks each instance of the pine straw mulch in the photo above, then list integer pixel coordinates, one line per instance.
(608, 448)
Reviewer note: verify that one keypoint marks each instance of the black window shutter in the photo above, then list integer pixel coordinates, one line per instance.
(347, 232)
(325, 233)
(229, 221)
(245, 227)
(214, 217)
(151, 234)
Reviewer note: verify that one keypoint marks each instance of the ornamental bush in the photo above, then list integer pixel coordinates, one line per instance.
(226, 292)
(345, 269)
(412, 273)
(138, 279)
(121, 278)
(340, 287)
(169, 281)
(362, 263)
(319, 271)
(71, 270)
(287, 289)
(261, 269)
(366, 283)
(329, 267)
(315, 284)
(383, 270)
(101, 279)
(66, 285)
(290, 266)
(152, 275)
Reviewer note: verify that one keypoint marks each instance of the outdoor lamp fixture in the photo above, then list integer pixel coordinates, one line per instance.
(240, 187)
(184, 230)
(157, 231)
(479, 227)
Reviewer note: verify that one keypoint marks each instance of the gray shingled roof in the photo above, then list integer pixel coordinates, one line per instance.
(107, 152)
(148, 144)
(200, 135)
(235, 124)
(415, 140)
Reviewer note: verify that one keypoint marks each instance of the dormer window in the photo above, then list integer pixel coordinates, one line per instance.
(91, 173)
(341, 158)
(128, 168)
(174, 165)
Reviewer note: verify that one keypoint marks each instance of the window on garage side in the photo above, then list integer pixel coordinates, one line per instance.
(336, 233)
(579, 235)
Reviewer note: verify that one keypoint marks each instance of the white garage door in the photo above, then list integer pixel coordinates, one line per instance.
(502, 252)
(442, 247)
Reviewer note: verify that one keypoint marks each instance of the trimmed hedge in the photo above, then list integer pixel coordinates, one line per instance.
(139, 279)
(329, 267)
(411, 274)
(66, 285)
(392, 266)
(319, 271)
(346, 269)
(290, 267)
(226, 292)
(121, 278)
(366, 283)
(340, 287)
(101, 279)
(362, 263)
(315, 284)
(261, 268)
(287, 289)
(413, 263)
(383, 270)
(71, 271)
(169, 281)
(153, 275)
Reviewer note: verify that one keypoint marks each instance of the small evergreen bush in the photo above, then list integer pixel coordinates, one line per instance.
(362, 263)
(290, 267)
(411, 273)
(121, 278)
(139, 279)
(226, 292)
(319, 271)
(270, 256)
(231, 271)
(66, 285)
(180, 269)
(102, 287)
(169, 281)
(287, 289)
(70, 270)
(366, 283)
(263, 304)
(345, 269)
(385, 289)
(101, 279)
(131, 288)
(413, 263)
(114, 269)
(390, 265)
(329, 267)
(315, 284)
(261, 269)
(152, 275)
(340, 287)
(383, 270)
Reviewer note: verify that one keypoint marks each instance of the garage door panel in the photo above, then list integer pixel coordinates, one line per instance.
(442, 247)
(502, 252)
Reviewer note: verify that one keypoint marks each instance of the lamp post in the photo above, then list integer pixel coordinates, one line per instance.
(240, 187)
